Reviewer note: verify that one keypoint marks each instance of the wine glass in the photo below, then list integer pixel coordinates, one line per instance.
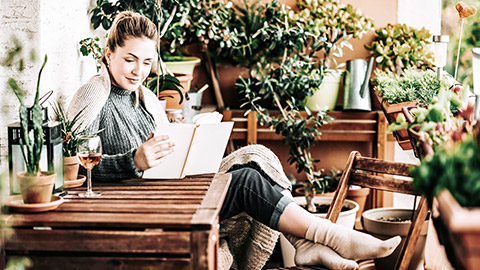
(89, 155)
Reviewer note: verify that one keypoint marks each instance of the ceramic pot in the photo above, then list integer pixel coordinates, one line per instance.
(384, 229)
(346, 218)
(36, 189)
(182, 64)
(359, 195)
(70, 168)
(326, 95)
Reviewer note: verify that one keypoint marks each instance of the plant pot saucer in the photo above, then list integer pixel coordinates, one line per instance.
(15, 203)
(74, 183)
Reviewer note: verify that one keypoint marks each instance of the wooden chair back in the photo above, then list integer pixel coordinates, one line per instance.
(379, 174)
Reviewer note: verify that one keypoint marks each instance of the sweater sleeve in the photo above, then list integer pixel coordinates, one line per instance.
(112, 167)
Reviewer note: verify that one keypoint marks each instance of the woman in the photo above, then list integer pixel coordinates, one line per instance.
(127, 113)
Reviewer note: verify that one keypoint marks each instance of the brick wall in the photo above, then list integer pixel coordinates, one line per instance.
(52, 27)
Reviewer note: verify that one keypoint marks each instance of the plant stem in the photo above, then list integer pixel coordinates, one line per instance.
(458, 51)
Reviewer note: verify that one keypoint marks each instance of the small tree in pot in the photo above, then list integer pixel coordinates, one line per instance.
(301, 46)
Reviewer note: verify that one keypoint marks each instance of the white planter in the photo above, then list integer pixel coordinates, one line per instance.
(346, 219)
(387, 229)
(326, 95)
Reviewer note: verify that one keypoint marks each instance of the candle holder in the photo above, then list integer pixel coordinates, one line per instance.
(52, 152)
(440, 42)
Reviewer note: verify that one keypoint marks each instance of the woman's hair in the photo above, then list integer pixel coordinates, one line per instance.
(128, 25)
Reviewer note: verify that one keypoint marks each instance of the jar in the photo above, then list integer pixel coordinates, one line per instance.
(175, 116)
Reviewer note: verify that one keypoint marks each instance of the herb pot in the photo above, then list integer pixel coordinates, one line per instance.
(36, 189)
(70, 168)
(392, 111)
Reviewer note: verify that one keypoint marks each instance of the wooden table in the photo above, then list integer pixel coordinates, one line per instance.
(135, 224)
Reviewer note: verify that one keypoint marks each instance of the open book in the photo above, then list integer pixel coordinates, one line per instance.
(199, 147)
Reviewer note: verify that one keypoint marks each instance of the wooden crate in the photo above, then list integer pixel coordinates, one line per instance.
(458, 229)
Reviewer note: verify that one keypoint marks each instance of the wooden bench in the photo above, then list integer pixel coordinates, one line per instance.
(135, 224)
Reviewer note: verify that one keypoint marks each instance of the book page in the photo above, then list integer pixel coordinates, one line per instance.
(173, 164)
(208, 147)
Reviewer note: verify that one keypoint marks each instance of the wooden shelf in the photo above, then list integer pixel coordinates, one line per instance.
(346, 127)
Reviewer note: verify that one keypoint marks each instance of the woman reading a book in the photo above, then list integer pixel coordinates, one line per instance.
(127, 113)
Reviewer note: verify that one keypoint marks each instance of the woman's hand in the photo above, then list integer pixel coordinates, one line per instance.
(153, 151)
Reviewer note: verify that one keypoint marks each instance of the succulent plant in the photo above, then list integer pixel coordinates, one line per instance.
(399, 46)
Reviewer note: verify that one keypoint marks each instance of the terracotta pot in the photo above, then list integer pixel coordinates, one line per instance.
(70, 168)
(36, 189)
(457, 228)
(359, 196)
(173, 97)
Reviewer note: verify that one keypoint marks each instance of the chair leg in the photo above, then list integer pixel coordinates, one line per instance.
(407, 251)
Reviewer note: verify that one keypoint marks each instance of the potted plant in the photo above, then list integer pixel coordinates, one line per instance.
(429, 126)
(36, 185)
(72, 138)
(412, 87)
(285, 81)
(450, 175)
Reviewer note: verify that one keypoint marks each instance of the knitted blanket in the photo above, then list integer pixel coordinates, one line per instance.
(250, 242)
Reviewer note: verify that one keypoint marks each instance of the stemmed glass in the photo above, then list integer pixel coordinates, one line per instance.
(89, 154)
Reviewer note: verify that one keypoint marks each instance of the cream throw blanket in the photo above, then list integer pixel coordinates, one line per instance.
(250, 242)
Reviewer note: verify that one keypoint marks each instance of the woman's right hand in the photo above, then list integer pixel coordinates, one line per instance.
(153, 151)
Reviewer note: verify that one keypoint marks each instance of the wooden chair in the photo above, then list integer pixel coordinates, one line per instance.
(378, 174)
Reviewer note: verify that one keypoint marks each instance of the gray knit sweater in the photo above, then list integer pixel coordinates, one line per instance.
(120, 118)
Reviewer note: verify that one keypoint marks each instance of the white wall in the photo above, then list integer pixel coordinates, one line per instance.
(52, 27)
(421, 13)
(417, 14)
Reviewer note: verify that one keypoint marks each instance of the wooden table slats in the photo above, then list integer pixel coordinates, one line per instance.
(107, 262)
(135, 224)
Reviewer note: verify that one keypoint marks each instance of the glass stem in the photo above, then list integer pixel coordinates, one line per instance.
(89, 181)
